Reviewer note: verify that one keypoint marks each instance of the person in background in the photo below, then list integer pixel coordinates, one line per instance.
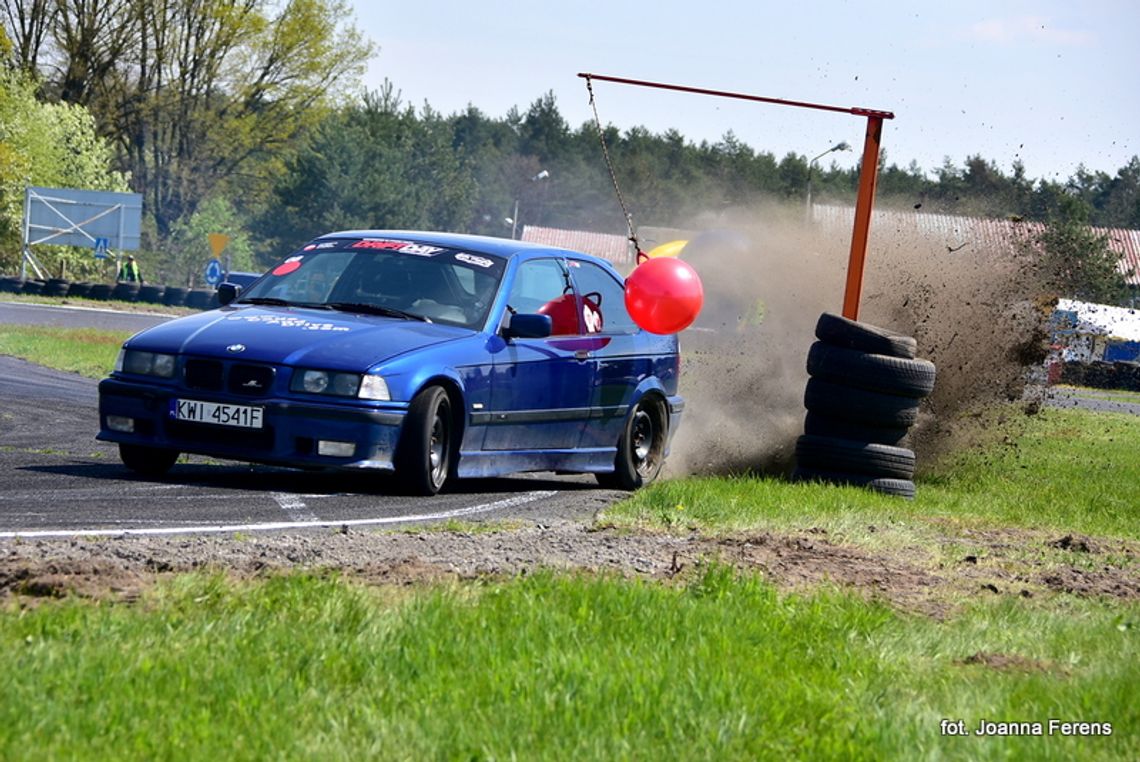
(130, 272)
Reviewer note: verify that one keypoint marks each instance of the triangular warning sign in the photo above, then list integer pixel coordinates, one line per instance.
(218, 242)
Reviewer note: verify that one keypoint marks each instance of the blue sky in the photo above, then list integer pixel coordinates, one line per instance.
(1056, 84)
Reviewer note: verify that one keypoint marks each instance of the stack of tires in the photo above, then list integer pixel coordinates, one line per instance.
(862, 398)
(151, 294)
(174, 296)
(79, 290)
(100, 291)
(10, 285)
(125, 292)
(200, 298)
(56, 287)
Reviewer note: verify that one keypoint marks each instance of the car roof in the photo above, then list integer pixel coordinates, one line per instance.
(501, 247)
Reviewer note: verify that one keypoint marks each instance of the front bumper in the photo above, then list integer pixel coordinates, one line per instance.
(289, 436)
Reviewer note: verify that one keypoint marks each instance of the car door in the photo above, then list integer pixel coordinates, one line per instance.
(617, 351)
(541, 388)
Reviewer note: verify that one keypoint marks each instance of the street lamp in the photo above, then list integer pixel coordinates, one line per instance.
(514, 221)
(842, 145)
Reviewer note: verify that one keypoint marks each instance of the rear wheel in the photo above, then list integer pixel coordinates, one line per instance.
(149, 461)
(641, 448)
(424, 459)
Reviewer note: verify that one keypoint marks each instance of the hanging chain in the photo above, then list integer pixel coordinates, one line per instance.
(610, 166)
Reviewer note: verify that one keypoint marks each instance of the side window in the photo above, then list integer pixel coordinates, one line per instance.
(603, 299)
(543, 286)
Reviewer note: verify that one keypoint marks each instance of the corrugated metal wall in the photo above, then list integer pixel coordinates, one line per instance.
(958, 232)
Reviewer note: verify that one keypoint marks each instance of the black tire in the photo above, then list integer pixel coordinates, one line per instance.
(33, 287)
(821, 425)
(175, 296)
(79, 290)
(199, 299)
(125, 292)
(860, 405)
(903, 488)
(11, 285)
(56, 287)
(151, 294)
(849, 456)
(865, 370)
(148, 461)
(101, 291)
(426, 454)
(640, 449)
(841, 332)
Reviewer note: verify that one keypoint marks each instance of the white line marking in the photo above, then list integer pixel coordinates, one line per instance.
(509, 502)
(294, 507)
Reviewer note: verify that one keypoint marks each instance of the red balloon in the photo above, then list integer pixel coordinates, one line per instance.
(664, 295)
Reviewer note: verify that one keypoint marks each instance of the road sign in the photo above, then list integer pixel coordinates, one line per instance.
(218, 242)
(100, 247)
(214, 272)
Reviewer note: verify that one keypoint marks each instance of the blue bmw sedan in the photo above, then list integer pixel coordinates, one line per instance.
(434, 355)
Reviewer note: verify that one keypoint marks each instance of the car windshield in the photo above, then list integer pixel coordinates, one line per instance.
(393, 278)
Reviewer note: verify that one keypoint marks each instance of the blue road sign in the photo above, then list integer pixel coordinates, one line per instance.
(214, 272)
(100, 247)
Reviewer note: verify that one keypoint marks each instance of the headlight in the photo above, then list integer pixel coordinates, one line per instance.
(374, 388)
(146, 363)
(325, 382)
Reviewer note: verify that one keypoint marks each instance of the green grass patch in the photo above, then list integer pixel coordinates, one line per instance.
(88, 351)
(554, 666)
(1068, 470)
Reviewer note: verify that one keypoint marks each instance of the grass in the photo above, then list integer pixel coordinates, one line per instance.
(1069, 471)
(88, 351)
(554, 666)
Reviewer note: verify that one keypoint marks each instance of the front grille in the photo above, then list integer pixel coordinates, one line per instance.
(252, 380)
(237, 378)
(204, 374)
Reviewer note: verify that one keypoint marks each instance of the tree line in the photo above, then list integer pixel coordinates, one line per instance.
(247, 117)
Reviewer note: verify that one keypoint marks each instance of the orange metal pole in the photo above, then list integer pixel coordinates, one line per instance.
(868, 176)
(864, 202)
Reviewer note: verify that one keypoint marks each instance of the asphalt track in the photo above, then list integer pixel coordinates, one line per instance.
(56, 480)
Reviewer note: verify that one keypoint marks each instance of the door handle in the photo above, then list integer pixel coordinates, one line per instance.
(582, 355)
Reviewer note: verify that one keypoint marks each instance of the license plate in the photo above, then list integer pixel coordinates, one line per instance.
(241, 416)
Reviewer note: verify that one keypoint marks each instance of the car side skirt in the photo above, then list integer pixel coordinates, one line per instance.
(477, 464)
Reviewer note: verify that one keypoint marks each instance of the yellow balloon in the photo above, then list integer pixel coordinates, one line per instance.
(671, 249)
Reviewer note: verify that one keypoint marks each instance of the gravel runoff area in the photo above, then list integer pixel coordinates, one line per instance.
(929, 579)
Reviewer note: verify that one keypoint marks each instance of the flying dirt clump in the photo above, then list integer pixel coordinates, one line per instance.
(978, 314)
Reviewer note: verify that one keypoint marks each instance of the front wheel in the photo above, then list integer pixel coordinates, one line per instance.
(148, 461)
(641, 448)
(423, 461)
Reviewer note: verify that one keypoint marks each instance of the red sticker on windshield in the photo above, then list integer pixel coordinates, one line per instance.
(287, 267)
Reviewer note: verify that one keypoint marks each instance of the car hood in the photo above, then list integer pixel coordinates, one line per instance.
(295, 336)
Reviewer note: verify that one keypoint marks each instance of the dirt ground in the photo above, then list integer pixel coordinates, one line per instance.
(931, 580)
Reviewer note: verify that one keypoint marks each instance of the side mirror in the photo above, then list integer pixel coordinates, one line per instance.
(528, 326)
(227, 292)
